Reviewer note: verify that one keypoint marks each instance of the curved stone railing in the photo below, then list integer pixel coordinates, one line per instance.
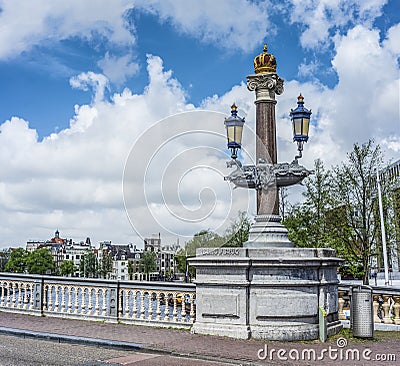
(386, 304)
(148, 303)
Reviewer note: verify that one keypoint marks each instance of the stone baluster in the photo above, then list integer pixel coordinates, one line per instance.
(341, 304)
(396, 309)
(143, 305)
(9, 295)
(70, 299)
(30, 297)
(158, 310)
(376, 308)
(136, 310)
(175, 308)
(85, 300)
(166, 311)
(120, 303)
(50, 297)
(64, 305)
(20, 295)
(183, 311)
(25, 298)
(46, 295)
(150, 311)
(104, 301)
(386, 309)
(76, 306)
(192, 313)
(90, 302)
(97, 301)
(14, 295)
(2, 293)
(125, 311)
(57, 293)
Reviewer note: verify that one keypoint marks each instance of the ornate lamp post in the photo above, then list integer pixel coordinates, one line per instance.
(234, 129)
(301, 123)
(267, 176)
(268, 289)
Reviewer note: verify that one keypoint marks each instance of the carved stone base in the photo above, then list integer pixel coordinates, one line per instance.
(265, 293)
(267, 231)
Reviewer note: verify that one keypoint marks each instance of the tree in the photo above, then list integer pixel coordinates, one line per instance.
(238, 232)
(105, 265)
(203, 239)
(308, 222)
(17, 261)
(40, 261)
(355, 192)
(67, 268)
(130, 269)
(88, 265)
(148, 262)
(4, 255)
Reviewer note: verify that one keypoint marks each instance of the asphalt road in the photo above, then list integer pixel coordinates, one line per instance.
(16, 351)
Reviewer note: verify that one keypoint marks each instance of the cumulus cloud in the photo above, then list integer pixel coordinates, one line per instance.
(234, 24)
(322, 18)
(118, 69)
(25, 24)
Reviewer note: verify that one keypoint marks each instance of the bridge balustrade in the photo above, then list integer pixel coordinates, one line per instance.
(386, 304)
(166, 304)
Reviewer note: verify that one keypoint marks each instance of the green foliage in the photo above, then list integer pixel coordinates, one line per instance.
(105, 265)
(67, 268)
(130, 269)
(308, 223)
(88, 265)
(340, 210)
(4, 255)
(40, 261)
(203, 239)
(238, 232)
(235, 236)
(148, 262)
(17, 261)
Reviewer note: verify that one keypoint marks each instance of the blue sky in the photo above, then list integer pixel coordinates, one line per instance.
(74, 74)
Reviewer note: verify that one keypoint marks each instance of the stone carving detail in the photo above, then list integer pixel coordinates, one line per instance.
(265, 81)
(265, 175)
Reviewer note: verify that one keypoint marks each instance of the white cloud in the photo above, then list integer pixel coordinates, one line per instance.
(118, 69)
(98, 82)
(324, 18)
(25, 24)
(235, 24)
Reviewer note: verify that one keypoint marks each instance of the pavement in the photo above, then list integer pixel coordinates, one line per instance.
(384, 349)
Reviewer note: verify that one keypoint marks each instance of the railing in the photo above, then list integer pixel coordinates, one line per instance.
(148, 303)
(386, 304)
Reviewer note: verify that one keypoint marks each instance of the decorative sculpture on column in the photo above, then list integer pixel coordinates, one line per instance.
(267, 176)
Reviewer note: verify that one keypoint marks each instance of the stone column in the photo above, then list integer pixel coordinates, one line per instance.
(266, 86)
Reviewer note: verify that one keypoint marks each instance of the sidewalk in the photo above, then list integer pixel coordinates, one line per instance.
(202, 347)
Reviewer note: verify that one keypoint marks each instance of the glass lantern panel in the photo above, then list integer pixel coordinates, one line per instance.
(306, 125)
(297, 126)
(238, 134)
(231, 133)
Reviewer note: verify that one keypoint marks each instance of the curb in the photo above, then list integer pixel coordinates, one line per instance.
(63, 338)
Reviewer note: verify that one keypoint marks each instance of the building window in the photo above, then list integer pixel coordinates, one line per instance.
(77, 256)
(67, 256)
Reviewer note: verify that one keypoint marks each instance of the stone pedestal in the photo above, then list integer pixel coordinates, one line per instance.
(265, 293)
(267, 231)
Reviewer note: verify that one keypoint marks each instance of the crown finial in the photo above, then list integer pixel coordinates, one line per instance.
(233, 109)
(264, 62)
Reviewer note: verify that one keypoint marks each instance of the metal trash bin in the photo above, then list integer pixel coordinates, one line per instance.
(361, 313)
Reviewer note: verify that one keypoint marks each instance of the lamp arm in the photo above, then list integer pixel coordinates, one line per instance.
(300, 149)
